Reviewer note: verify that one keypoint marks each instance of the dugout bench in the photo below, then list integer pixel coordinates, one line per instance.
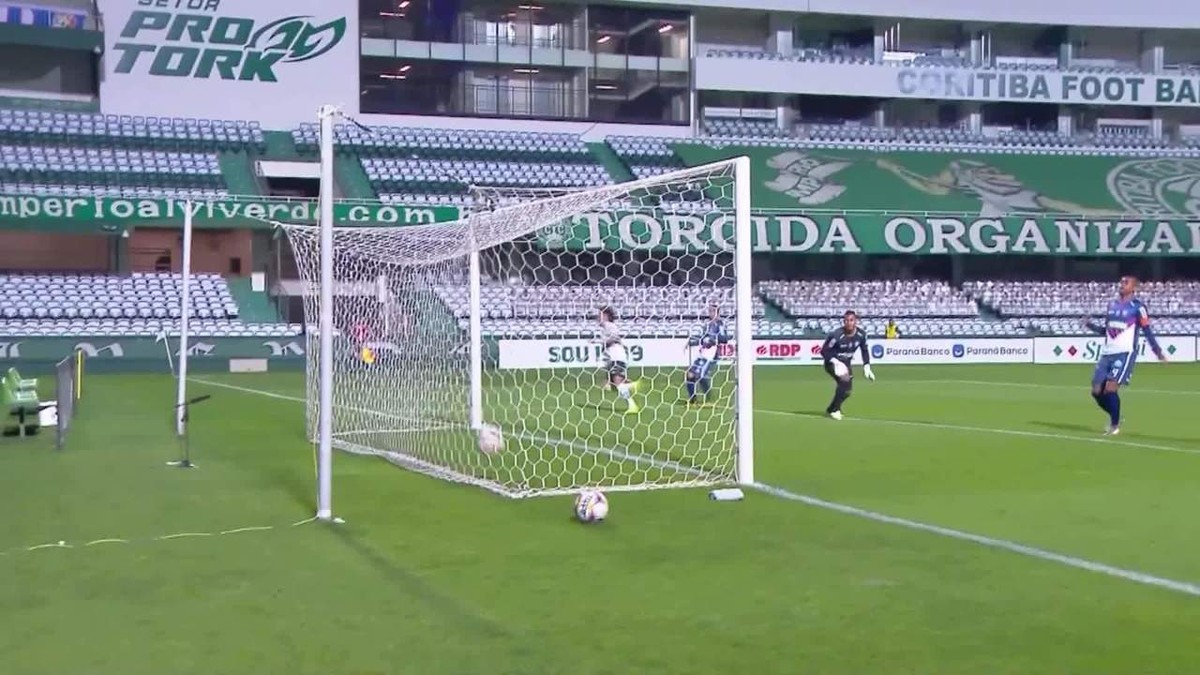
(19, 405)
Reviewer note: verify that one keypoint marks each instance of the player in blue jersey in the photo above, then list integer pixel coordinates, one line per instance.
(704, 362)
(1126, 322)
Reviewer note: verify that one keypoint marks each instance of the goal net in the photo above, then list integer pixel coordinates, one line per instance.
(495, 320)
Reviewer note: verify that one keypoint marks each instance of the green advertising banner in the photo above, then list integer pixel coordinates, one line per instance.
(97, 214)
(49, 349)
(874, 234)
(985, 185)
(925, 203)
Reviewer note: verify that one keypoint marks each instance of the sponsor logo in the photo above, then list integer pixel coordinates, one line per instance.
(1089, 350)
(199, 349)
(123, 209)
(205, 43)
(1166, 187)
(806, 177)
(566, 354)
(974, 350)
(280, 349)
(10, 350)
(779, 350)
(114, 350)
(1092, 350)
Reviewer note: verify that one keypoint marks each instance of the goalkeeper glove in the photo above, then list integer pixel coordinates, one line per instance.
(870, 374)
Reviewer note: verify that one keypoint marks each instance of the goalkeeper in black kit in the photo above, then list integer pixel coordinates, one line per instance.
(837, 351)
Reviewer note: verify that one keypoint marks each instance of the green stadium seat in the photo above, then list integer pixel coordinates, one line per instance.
(21, 410)
(13, 379)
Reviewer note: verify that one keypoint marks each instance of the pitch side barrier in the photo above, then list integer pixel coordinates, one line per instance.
(673, 352)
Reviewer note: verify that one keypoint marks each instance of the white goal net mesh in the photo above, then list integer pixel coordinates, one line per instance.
(579, 404)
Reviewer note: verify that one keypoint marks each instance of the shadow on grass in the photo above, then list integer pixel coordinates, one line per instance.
(1096, 430)
(456, 613)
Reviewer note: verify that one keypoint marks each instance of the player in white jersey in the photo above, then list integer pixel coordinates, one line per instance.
(1126, 322)
(616, 359)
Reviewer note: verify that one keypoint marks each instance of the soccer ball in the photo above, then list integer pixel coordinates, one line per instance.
(591, 506)
(490, 440)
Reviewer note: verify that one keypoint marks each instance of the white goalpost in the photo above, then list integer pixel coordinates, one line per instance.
(425, 333)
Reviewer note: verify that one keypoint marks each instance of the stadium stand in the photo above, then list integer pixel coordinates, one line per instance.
(433, 166)
(881, 298)
(926, 308)
(81, 153)
(141, 304)
(1057, 307)
(51, 152)
(661, 311)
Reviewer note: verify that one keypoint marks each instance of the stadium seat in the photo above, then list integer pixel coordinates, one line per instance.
(14, 380)
(82, 129)
(144, 304)
(515, 310)
(1055, 307)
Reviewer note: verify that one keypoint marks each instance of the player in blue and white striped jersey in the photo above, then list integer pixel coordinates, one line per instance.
(706, 355)
(1126, 322)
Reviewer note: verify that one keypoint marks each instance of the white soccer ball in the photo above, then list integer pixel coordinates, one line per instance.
(490, 440)
(840, 369)
(591, 506)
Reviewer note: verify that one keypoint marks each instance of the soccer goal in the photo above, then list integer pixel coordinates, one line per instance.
(428, 332)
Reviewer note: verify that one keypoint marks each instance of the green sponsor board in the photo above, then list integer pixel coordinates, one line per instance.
(875, 234)
(218, 46)
(912, 183)
(856, 201)
(992, 85)
(98, 214)
(44, 349)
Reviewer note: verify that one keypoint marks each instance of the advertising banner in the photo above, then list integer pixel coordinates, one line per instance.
(271, 61)
(964, 350)
(575, 353)
(787, 352)
(964, 84)
(673, 352)
(91, 214)
(651, 353)
(873, 233)
(15, 350)
(842, 201)
(1087, 349)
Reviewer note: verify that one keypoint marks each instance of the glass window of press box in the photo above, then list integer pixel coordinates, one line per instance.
(525, 59)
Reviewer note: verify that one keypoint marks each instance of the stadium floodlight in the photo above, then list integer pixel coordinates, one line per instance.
(427, 332)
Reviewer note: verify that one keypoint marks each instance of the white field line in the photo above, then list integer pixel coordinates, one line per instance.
(166, 537)
(1183, 587)
(702, 478)
(1101, 440)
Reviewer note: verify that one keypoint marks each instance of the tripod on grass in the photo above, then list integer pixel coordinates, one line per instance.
(186, 406)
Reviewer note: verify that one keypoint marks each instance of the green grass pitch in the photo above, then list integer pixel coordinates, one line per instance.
(171, 571)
